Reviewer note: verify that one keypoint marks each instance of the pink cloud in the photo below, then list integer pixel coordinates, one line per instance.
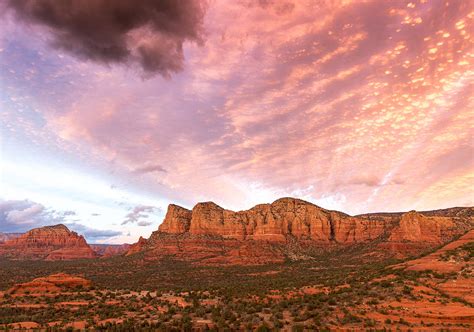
(369, 105)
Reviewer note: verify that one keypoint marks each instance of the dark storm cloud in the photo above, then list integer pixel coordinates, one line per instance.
(148, 32)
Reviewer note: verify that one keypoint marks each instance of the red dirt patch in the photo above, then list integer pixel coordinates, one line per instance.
(461, 287)
(434, 262)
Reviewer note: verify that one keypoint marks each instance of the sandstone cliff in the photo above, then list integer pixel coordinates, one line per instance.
(50, 243)
(265, 233)
(415, 227)
(272, 222)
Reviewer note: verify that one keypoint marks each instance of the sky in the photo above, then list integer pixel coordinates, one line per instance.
(111, 110)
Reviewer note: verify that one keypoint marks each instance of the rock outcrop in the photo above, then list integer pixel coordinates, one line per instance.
(415, 227)
(417, 231)
(49, 243)
(55, 283)
(271, 222)
(264, 233)
(137, 247)
(178, 220)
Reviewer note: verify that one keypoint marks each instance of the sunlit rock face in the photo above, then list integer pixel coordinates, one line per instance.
(137, 247)
(50, 243)
(264, 233)
(272, 222)
(177, 220)
(302, 220)
(415, 227)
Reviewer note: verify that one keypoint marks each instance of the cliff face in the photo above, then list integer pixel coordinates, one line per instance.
(415, 227)
(50, 243)
(178, 220)
(272, 222)
(263, 233)
(416, 232)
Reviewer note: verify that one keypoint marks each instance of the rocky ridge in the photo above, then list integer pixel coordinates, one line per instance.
(269, 232)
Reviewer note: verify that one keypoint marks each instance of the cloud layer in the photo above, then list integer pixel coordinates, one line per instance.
(139, 215)
(147, 32)
(21, 216)
(366, 108)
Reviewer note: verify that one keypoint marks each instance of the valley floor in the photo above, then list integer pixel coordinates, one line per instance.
(341, 290)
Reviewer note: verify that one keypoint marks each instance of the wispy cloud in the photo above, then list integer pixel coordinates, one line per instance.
(149, 169)
(139, 213)
(91, 234)
(21, 216)
(352, 109)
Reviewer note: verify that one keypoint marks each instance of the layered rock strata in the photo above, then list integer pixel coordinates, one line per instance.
(48, 243)
(264, 233)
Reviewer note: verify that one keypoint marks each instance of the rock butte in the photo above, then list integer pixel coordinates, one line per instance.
(272, 232)
(48, 243)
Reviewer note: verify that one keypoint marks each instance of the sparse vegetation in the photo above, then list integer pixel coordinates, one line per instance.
(329, 291)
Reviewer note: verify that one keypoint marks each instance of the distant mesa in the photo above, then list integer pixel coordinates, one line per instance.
(47, 243)
(55, 243)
